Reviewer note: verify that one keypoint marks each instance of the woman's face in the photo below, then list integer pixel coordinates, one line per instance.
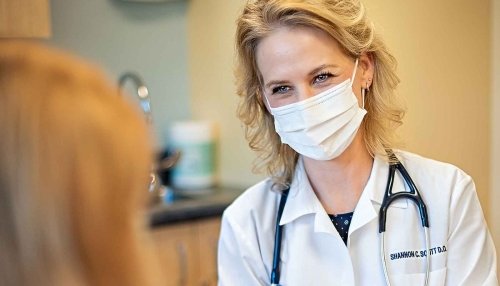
(299, 62)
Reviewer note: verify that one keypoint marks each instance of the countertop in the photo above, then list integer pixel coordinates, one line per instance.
(183, 206)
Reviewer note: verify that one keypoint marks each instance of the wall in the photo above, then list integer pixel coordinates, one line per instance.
(143, 37)
(495, 119)
(211, 28)
(444, 54)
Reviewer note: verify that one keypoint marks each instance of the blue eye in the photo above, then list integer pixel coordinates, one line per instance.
(281, 89)
(322, 77)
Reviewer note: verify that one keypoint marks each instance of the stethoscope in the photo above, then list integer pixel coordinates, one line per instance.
(389, 197)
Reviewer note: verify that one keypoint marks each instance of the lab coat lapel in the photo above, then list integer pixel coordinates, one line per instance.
(365, 211)
(369, 203)
(301, 198)
(303, 201)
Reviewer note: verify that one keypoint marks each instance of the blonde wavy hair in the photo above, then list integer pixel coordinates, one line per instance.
(74, 171)
(347, 23)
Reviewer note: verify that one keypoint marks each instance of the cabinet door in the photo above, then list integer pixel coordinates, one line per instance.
(176, 246)
(208, 238)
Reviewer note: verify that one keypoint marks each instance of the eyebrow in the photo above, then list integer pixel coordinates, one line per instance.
(312, 72)
(275, 82)
(321, 67)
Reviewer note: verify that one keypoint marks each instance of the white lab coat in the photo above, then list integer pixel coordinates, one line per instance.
(462, 251)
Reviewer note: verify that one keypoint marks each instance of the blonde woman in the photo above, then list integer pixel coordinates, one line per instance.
(317, 99)
(74, 165)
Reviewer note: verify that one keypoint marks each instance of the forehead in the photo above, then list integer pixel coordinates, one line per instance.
(296, 50)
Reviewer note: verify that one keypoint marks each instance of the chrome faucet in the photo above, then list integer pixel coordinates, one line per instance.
(145, 102)
(142, 93)
(157, 191)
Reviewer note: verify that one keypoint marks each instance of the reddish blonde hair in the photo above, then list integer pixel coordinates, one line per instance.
(74, 165)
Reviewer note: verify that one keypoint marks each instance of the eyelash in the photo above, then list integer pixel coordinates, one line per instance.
(278, 89)
(323, 74)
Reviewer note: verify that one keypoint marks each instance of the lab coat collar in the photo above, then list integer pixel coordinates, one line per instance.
(301, 198)
(303, 201)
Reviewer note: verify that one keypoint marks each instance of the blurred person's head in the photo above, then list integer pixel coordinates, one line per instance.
(74, 165)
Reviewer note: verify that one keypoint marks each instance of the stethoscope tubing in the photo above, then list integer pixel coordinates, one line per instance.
(275, 273)
(390, 197)
(384, 259)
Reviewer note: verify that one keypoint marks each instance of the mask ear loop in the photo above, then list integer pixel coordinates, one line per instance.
(269, 107)
(267, 100)
(352, 81)
(363, 92)
(354, 72)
